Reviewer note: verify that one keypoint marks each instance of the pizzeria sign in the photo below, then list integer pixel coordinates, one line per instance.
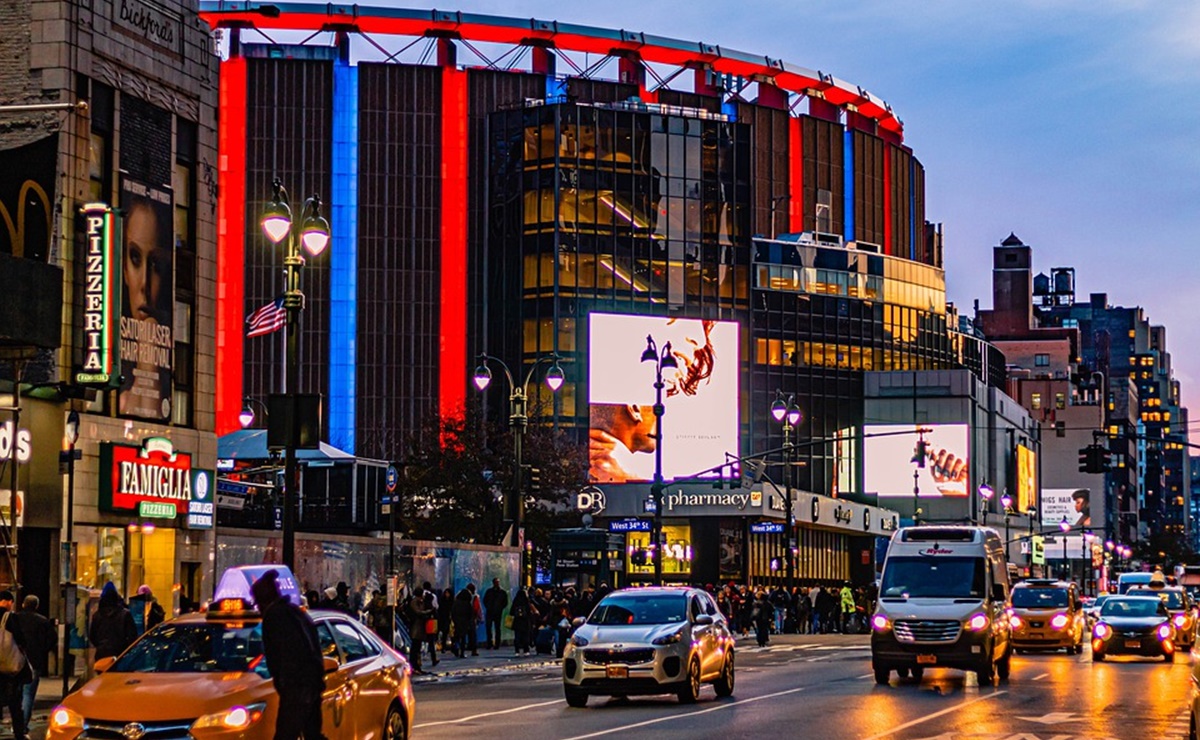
(151, 478)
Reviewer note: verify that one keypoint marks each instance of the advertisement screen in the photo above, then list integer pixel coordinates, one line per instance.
(700, 396)
(888, 460)
(1027, 483)
(1073, 503)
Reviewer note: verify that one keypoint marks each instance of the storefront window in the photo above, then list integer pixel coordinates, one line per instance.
(677, 557)
(101, 557)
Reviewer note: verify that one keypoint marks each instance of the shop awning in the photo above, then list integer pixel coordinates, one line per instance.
(251, 444)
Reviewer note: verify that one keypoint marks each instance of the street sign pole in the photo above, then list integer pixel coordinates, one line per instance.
(391, 478)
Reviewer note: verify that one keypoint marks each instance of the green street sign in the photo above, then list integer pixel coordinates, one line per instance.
(153, 510)
(1039, 550)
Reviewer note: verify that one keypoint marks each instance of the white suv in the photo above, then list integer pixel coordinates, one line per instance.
(650, 641)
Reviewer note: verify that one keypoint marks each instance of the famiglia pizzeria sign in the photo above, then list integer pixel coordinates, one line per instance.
(153, 480)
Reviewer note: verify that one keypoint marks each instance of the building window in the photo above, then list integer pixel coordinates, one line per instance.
(1060, 400)
(1041, 360)
(1035, 401)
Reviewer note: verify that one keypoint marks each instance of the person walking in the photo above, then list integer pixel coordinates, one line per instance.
(147, 612)
(294, 658)
(10, 684)
(422, 616)
(444, 602)
(848, 607)
(476, 620)
(521, 622)
(112, 628)
(762, 614)
(41, 639)
(560, 622)
(495, 599)
(803, 612)
(783, 607)
(463, 618)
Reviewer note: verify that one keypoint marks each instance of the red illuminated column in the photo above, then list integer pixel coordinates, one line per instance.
(795, 176)
(631, 71)
(887, 200)
(231, 243)
(453, 317)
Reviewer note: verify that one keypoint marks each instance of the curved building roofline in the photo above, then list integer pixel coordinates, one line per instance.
(550, 34)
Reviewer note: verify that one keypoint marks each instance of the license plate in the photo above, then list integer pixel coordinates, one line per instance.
(617, 671)
(927, 659)
(1133, 644)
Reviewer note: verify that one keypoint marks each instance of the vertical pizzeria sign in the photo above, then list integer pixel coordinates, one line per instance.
(101, 297)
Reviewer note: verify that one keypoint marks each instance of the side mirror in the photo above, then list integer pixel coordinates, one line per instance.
(578, 622)
(703, 620)
(998, 592)
(104, 664)
(330, 664)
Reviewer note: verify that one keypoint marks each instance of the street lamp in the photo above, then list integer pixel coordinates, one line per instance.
(1065, 526)
(278, 226)
(662, 360)
(1031, 512)
(787, 412)
(72, 435)
(986, 492)
(1007, 501)
(518, 420)
(247, 416)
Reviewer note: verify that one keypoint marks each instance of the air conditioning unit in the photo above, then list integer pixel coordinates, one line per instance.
(821, 237)
(864, 246)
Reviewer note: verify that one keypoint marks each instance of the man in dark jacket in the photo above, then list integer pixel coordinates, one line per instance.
(294, 658)
(462, 613)
(111, 629)
(41, 639)
(10, 686)
(495, 599)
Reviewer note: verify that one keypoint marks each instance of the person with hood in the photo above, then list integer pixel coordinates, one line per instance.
(495, 599)
(462, 614)
(522, 623)
(293, 654)
(846, 597)
(112, 628)
(147, 612)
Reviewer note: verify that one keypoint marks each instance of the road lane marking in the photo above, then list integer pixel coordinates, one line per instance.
(866, 675)
(487, 714)
(673, 717)
(1039, 678)
(935, 715)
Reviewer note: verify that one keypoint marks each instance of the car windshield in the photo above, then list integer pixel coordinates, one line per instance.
(1034, 598)
(1173, 599)
(196, 647)
(1099, 602)
(934, 577)
(640, 609)
(1129, 608)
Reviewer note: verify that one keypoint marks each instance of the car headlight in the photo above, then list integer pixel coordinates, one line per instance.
(1164, 631)
(1015, 622)
(670, 639)
(234, 718)
(880, 623)
(1059, 621)
(63, 718)
(1102, 631)
(978, 622)
(1181, 621)
(579, 640)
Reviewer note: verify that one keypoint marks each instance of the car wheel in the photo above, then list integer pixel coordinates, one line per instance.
(724, 683)
(918, 674)
(395, 727)
(689, 692)
(1097, 657)
(986, 673)
(575, 698)
(1004, 666)
(882, 676)
(902, 672)
(1169, 657)
(1192, 724)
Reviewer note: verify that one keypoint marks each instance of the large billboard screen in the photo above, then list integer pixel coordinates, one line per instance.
(888, 460)
(1027, 482)
(1073, 503)
(700, 396)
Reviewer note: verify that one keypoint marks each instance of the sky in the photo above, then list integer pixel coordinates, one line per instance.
(1071, 123)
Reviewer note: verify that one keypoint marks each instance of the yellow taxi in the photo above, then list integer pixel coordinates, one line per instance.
(205, 676)
(1046, 614)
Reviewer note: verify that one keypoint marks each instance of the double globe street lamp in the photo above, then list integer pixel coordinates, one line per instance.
(664, 360)
(518, 420)
(788, 413)
(313, 234)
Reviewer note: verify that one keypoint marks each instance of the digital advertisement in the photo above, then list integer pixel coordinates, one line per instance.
(889, 466)
(1027, 482)
(700, 396)
(1073, 503)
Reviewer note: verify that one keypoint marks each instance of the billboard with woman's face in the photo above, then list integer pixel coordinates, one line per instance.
(700, 396)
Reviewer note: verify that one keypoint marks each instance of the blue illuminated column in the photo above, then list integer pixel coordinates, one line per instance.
(848, 180)
(343, 273)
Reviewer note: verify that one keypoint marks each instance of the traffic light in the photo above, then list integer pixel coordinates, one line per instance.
(1093, 459)
(919, 453)
(535, 479)
(1085, 459)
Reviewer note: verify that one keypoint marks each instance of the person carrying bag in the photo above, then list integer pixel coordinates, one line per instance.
(14, 667)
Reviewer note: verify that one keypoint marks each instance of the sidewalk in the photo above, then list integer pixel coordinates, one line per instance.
(488, 661)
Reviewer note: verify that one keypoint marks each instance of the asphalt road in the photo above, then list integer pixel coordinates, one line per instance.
(822, 687)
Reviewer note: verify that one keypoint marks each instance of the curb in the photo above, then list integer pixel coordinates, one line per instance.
(434, 676)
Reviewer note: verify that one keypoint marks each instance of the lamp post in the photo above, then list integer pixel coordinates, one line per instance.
(1031, 512)
(67, 664)
(662, 360)
(787, 412)
(314, 237)
(1006, 501)
(247, 416)
(1065, 526)
(518, 420)
(986, 493)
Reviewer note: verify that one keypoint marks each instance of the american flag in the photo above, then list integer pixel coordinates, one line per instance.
(269, 318)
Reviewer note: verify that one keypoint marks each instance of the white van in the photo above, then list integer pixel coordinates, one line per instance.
(942, 602)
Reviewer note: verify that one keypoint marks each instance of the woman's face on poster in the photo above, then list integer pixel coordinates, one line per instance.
(146, 264)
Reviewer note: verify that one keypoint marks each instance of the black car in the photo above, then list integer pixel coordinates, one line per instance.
(1134, 625)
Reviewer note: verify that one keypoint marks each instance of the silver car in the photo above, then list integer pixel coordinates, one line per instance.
(650, 641)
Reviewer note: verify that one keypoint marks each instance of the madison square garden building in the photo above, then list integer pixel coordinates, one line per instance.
(526, 187)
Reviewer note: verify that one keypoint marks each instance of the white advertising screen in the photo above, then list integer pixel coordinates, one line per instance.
(700, 396)
(888, 460)
(1073, 503)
